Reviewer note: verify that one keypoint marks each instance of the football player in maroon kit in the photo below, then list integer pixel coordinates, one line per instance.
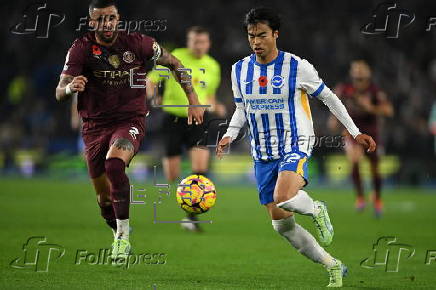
(98, 69)
(366, 103)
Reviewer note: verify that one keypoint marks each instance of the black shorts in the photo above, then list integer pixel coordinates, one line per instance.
(178, 135)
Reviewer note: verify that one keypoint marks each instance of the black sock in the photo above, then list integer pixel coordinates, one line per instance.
(192, 216)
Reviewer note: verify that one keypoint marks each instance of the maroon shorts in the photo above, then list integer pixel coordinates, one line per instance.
(99, 137)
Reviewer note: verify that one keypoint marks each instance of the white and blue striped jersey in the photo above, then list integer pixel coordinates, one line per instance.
(274, 98)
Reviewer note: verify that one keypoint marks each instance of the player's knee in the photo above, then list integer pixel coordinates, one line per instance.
(103, 194)
(281, 196)
(124, 144)
(284, 225)
(105, 203)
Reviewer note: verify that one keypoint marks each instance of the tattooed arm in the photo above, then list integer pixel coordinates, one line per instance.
(170, 61)
(69, 85)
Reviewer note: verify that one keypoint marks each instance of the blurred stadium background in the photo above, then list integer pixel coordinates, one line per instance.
(36, 136)
(38, 143)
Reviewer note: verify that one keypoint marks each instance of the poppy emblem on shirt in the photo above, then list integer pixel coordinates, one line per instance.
(277, 82)
(263, 81)
(96, 50)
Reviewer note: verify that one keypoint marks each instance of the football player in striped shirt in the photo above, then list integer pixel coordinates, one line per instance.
(271, 89)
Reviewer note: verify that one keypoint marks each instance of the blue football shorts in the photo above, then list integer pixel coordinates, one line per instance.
(266, 173)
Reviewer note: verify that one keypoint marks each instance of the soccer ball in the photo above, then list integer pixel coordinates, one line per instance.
(196, 194)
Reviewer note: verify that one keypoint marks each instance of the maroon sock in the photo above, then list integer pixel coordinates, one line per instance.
(120, 187)
(107, 212)
(376, 178)
(356, 179)
(112, 224)
(377, 182)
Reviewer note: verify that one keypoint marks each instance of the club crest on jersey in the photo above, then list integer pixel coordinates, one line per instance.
(263, 81)
(277, 82)
(133, 132)
(114, 60)
(128, 56)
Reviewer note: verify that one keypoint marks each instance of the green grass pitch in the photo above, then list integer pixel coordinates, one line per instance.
(238, 250)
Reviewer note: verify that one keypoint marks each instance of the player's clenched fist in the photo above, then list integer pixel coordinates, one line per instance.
(77, 84)
(222, 145)
(367, 142)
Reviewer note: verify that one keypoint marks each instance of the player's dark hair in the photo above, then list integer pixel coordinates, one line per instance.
(197, 29)
(101, 4)
(262, 15)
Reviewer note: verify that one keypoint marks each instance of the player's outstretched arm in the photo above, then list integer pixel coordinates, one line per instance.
(314, 86)
(75, 118)
(340, 112)
(237, 122)
(170, 61)
(367, 142)
(238, 119)
(69, 85)
(222, 146)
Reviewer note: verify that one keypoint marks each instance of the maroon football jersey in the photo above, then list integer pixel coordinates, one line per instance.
(366, 122)
(108, 95)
